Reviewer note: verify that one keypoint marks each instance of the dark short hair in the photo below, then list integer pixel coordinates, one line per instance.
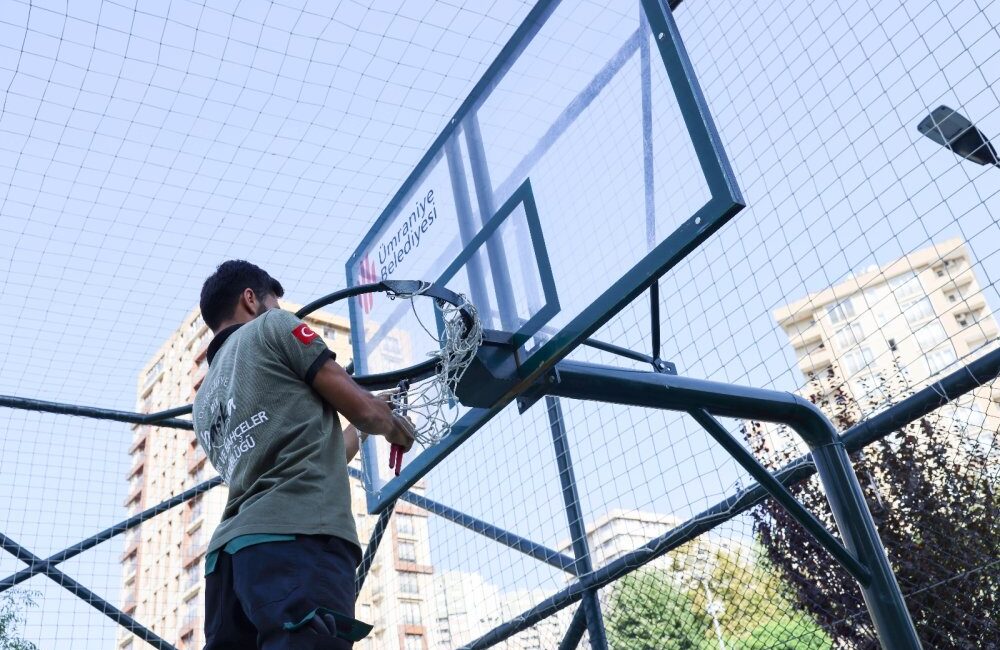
(221, 292)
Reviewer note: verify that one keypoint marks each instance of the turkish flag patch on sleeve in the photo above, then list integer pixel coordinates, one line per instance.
(304, 334)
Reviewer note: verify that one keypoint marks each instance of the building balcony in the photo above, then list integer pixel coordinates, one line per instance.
(807, 337)
(192, 554)
(815, 361)
(142, 432)
(135, 494)
(972, 303)
(138, 462)
(196, 459)
(413, 567)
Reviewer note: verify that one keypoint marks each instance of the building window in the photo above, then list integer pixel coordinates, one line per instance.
(905, 286)
(131, 564)
(405, 525)
(966, 318)
(941, 358)
(413, 642)
(840, 311)
(197, 509)
(153, 374)
(855, 360)
(408, 551)
(930, 336)
(191, 611)
(391, 350)
(411, 613)
(409, 583)
(187, 641)
(192, 575)
(196, 540)
(849, 335)
(919, 311)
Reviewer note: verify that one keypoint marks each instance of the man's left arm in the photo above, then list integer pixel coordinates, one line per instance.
(352, 441)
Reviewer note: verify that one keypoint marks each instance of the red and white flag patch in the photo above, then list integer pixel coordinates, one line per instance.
(304, 334)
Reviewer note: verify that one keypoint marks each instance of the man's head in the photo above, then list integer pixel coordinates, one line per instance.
(237, 292)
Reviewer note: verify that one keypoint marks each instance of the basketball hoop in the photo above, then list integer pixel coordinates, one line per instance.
(429, 394)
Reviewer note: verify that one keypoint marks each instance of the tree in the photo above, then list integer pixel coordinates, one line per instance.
(937, 511)
(12, 606)
(649, 611)
(795, 631)
(707, 589)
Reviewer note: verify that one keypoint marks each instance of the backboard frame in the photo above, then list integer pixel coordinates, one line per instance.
(725, 201)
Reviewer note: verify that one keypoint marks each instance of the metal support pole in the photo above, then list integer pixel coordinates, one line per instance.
(84, 594)
(466, 226)
(42, 566)
(881, 592)
(591, 606)
(574, 633)
(373, 543)
(506, 303)
(977, 373)
(160, 419)
(781, 494)
(495, 533)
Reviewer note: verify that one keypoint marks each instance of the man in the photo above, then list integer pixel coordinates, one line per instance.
(280, 567)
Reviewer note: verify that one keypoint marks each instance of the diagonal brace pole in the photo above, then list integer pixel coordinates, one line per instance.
(41, 566)
(574, 633)
(591, 606)
(84, 594)
(881, 592)
(781, 494)
(488, 530)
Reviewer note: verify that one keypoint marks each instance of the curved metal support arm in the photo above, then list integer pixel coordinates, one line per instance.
(881, 592)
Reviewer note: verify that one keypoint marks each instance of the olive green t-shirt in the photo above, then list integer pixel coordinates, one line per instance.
(275, 442)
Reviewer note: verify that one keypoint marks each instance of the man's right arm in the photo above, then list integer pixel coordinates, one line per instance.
(367, 412)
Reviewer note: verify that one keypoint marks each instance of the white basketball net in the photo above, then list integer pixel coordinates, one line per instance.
(431, 402)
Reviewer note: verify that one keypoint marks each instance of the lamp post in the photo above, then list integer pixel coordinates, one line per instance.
(714, 607)
(954, 131)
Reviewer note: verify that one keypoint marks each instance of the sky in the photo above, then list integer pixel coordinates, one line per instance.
(144, 143)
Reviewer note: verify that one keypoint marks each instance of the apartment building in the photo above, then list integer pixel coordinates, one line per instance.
(893, 327)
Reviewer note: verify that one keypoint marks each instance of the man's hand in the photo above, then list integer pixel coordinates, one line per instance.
(397, 449)
(402, 433)
(369, 413)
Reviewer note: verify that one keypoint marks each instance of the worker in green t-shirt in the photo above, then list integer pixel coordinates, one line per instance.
(280, 567)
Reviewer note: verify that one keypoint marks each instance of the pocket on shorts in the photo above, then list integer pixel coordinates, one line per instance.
(266, 574)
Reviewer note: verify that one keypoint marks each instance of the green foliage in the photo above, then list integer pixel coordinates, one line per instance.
(932, 492)
(668, 606)
(792, 632)
(12, 606)
(649, 611)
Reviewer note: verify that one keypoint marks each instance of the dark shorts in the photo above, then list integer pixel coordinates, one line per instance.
(259, 596)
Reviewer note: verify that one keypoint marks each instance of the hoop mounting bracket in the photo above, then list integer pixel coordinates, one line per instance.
(492, 373)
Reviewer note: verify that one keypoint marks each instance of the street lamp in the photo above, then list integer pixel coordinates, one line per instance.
(954, 131)
(702, 573)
